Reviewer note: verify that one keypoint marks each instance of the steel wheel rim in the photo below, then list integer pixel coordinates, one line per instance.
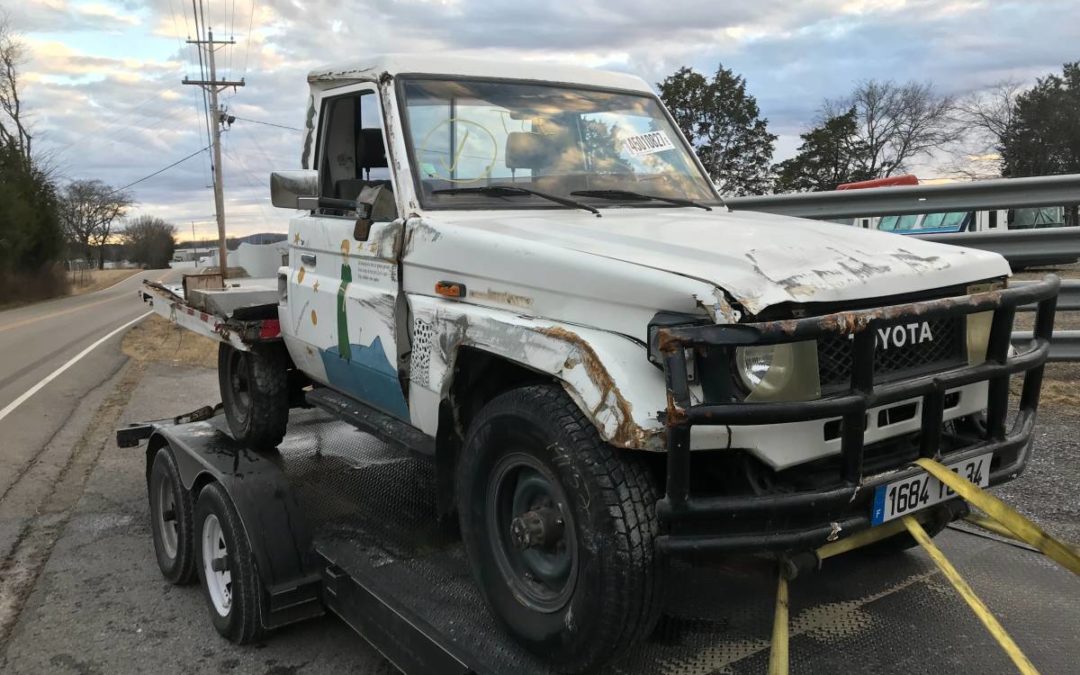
(218, 581)
(542, 577)
(166, 518)
(239, 380)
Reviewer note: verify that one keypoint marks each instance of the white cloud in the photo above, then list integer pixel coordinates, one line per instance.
(104, 79)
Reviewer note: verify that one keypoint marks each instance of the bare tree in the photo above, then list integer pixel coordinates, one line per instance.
(984, 118)
(896, 122)
(88, 209)
(13, 129)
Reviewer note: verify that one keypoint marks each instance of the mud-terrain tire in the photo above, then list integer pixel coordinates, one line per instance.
(234, 595)
(171, 519)
(255, 393)
(589, 584)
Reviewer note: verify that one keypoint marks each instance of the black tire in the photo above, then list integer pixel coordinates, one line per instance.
(170, 519)
(255, 394)
(237, 619)
(599, 509)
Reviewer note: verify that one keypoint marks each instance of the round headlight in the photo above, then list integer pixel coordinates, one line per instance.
(753, 364)
(766, 371)
(781, 372)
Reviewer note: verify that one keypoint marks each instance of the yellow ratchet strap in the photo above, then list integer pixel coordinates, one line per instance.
(1021, 527)
(981, 611)
(990, 525)
(778, 653)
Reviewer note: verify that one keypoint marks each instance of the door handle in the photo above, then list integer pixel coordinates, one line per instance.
(308, 259)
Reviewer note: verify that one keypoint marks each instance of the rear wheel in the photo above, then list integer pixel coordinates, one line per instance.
(255, 393)
(226, 568)
(170, 519)
(559, 529)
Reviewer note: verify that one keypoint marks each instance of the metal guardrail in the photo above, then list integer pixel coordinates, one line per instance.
(984, 195)
(1022, 248)
(1068, 296)
(1064, 347)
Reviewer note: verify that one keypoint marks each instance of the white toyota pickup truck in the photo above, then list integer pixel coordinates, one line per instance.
(524, 273)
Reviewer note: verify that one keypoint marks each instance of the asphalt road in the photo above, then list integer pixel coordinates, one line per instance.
(45, 416)
(36, 340)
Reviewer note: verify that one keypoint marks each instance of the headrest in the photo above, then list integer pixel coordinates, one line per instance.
(370, 151)
(527, 150)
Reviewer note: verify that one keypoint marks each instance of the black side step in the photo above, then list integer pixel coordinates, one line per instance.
(386, 427)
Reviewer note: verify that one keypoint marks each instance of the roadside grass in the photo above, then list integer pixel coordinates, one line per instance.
(156, 339)
(24, 288)
(1061, 381)
(89, 281)
(1060, 385)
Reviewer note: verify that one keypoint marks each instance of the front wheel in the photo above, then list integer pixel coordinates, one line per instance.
(559, 528)
(255, 393)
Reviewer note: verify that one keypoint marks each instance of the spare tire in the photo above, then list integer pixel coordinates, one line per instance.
(255, 393)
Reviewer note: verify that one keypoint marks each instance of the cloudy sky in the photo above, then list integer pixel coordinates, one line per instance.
(103, 76)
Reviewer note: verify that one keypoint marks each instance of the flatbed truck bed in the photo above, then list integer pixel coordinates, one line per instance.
(364, 543)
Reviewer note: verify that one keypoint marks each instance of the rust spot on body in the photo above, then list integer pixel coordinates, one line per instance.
(627, 433)
(503, 297)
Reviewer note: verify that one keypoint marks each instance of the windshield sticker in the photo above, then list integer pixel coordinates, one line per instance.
(648, 144)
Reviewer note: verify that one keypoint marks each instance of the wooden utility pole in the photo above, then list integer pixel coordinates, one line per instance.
(215, 86)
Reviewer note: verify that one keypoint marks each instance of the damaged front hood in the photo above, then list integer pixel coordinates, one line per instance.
(759, 259)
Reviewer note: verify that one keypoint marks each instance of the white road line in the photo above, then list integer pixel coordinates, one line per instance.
(59, 371)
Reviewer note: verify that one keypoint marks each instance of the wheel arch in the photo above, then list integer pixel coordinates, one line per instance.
(471, 354)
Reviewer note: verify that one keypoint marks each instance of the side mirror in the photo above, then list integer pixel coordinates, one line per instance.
(287, 188)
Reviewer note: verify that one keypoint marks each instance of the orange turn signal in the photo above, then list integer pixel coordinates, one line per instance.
(450, 289)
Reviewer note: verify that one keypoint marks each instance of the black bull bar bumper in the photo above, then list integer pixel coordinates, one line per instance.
(719, 524)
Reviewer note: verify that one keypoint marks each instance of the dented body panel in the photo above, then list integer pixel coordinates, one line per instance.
(758, 260)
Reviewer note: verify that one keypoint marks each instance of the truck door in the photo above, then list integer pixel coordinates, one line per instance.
(343, 282)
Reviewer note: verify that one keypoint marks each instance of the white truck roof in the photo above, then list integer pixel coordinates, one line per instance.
(374, 67)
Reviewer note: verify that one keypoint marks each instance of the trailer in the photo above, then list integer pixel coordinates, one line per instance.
(336, 520)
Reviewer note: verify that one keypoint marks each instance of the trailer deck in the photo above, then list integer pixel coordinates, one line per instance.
(401, 580)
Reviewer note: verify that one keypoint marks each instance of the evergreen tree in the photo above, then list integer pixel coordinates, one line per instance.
(723, 123)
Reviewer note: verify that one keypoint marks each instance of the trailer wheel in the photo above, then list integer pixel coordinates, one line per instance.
(559, 529)
(170, 519)
(226, 568)
(255, 394)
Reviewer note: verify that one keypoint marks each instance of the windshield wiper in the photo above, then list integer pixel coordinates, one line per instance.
(512, 190)
(630, 194)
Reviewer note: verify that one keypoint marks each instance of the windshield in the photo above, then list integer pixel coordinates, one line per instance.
(556, 140)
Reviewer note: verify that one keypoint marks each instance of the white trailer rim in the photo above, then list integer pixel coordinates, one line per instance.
(218, 582)
(167, 516)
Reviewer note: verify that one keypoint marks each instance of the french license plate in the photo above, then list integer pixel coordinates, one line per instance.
(902, 497)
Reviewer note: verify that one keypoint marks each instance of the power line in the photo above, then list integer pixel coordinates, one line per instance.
(148, 177)
(202, 69)
(268, 124)
(247, 40)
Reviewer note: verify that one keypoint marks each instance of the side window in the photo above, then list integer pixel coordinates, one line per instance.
(352, 156)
